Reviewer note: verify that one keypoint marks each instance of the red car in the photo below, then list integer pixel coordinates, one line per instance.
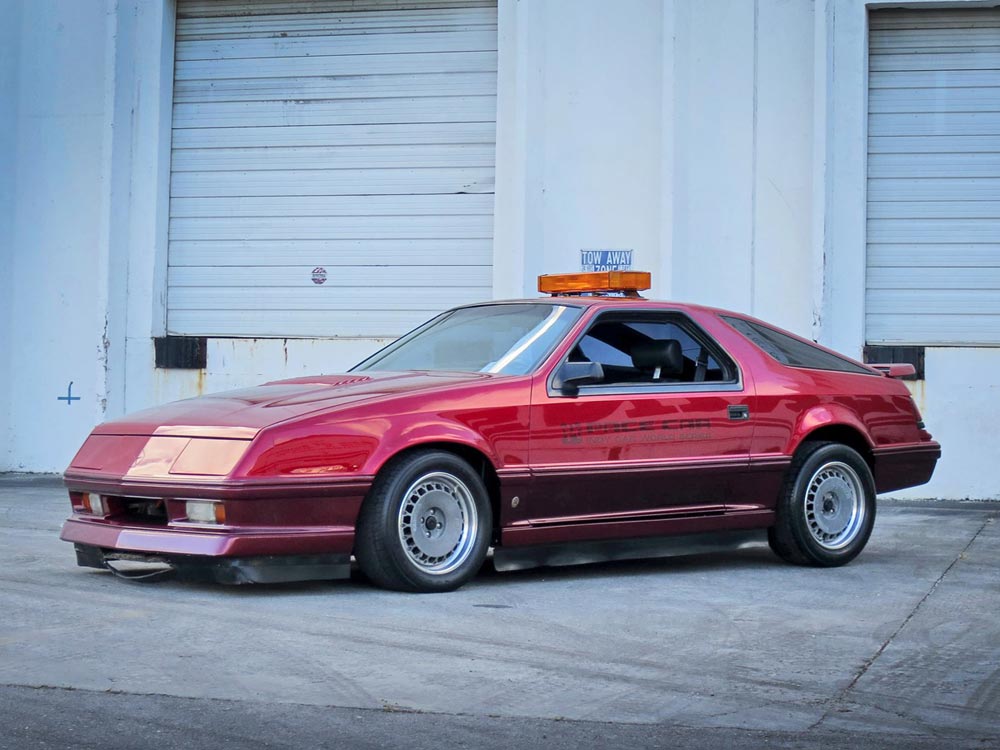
(591, 424)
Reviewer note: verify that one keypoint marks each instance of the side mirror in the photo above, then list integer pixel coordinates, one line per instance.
(571, 375)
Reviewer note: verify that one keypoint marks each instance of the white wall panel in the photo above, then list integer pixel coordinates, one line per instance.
(933, 260)
(782, 257)
(320, 23)
(357, 137)
(289, 182)
(54, 212)
(336, 135)
(303, 112)
(953, 255)
(223, 8)
(715, 152)
(332, 44)
(347, 205)
(249, 279)
(261, 253)
(189, 71)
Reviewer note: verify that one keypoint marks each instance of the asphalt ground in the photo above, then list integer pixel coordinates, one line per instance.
(899, 649)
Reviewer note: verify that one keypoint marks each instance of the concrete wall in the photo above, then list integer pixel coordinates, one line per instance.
(579, 136)
(742, 188)
(9, 67)
(594, 134)
(54, 132)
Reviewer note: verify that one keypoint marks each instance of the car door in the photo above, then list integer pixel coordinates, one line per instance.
(660, 436)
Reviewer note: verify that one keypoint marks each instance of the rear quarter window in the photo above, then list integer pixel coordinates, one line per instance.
(792, 352)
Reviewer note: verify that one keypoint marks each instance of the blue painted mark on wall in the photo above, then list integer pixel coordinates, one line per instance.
(69, 398)
(606, 260)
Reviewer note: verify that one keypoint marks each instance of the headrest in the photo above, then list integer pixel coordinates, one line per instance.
(665, 354)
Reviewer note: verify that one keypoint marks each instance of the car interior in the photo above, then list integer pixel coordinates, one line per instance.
(649, 351)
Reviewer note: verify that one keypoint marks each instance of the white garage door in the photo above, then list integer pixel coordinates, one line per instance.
(934, 178)
(332, 165)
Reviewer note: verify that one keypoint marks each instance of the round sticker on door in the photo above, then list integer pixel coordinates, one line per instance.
(319, 275)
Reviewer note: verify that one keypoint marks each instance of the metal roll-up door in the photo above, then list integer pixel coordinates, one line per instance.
(332, 165)
(933, 263)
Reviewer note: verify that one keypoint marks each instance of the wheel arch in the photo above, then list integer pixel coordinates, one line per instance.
(836, 424)
(844, 434)
(480, 462)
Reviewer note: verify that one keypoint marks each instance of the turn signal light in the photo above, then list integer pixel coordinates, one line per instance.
(93, 504)
(629, 283)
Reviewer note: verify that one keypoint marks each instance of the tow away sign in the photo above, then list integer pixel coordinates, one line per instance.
(606, 260)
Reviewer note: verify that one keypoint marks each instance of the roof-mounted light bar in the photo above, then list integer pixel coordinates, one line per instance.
(629, 283)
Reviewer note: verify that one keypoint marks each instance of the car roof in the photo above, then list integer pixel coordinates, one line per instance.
(608, 302)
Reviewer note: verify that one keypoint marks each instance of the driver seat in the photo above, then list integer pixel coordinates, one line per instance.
(662, 359)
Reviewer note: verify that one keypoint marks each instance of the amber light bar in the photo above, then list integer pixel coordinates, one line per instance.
(628, 282)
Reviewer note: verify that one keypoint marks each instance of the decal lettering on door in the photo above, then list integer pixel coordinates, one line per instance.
(651, 430)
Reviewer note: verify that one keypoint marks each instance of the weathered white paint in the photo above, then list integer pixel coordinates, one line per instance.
(782, 252)
(239, 363)
(732, 161)
(10, 53)
(578, 135)
(714, 154)
(53, 198)
(743, 173)
(959, 403)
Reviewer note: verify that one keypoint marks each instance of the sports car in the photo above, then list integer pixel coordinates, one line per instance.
(589, 424)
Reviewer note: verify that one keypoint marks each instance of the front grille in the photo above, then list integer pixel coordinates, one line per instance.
(140, 510)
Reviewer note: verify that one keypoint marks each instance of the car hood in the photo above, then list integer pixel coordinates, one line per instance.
(243, 413)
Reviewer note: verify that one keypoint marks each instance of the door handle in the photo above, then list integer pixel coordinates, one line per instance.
(739, 413)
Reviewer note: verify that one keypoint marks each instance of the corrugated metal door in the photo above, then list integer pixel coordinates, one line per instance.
(933, 274)
(332, 165)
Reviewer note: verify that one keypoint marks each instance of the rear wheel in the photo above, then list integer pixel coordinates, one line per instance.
(426, 524)
(826, 510)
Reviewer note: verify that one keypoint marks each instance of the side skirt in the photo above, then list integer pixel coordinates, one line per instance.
(581, 553)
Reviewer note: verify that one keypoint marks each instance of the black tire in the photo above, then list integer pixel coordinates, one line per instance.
(426, 524)
(826, 510)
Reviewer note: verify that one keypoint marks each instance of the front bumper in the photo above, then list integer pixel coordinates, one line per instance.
(170, 540)
(283, 530)
(225, 555)
(227, 570)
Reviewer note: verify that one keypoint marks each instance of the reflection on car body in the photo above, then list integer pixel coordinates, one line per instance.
(590, 424)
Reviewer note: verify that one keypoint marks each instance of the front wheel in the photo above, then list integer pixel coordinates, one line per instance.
(827, 507)
(426, 524)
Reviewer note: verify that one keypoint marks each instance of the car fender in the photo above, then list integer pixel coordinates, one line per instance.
(825, 415)
(427, 433)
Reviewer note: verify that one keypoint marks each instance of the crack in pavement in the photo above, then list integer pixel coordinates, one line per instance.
(840, 698)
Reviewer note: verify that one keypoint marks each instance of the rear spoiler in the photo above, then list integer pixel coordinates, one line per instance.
(896, 369)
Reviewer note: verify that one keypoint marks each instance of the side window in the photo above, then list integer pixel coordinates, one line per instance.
(652, 349)
(792, 352)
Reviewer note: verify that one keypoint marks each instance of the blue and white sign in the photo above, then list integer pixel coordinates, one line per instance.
(606, 260)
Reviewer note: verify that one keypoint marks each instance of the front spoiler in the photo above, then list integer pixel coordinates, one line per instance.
(227, 570)
(231, 542)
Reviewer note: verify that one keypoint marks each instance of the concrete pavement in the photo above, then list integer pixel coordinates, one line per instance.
(900, 648)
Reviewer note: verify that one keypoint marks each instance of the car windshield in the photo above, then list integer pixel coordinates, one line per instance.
(508, 339)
